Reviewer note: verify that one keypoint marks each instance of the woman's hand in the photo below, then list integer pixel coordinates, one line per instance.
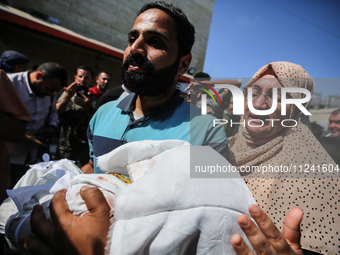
(266, 238)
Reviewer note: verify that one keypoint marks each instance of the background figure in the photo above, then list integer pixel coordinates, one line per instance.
(13, 118)
(195, 94)
(331, 141)
(296, 147)
(96, 92)
(334, 124)
(102, 82)
(230, 128)
(198, 88)
(37, 91)
(12, 61)
(75, 111)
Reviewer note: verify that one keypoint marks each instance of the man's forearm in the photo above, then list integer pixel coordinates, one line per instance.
(62, 105)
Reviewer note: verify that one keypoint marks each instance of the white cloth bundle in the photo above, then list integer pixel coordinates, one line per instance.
(44, 180)
(163, 211)
(166, 211)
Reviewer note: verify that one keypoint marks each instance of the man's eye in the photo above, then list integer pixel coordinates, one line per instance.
(156, 42)
(131, 40)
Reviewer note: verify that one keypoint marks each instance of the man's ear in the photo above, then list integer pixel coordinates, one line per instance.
(38, 75)
(184, 63)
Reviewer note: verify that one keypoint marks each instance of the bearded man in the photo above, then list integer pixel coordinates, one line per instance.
(158, 53)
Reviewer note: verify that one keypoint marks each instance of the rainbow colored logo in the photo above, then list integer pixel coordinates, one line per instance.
(209, 93)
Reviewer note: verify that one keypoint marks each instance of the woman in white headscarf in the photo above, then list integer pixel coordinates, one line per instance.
(268, 145)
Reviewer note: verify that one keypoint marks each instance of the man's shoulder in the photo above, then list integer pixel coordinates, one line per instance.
(193, 109)
(116, 90)
(107, 109)
(14, 77)
(113, 94)
(183, 107)
(92, 90)
(107, 116)
(189, 111)
(196, 113)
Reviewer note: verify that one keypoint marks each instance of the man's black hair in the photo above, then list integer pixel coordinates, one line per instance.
(335, 112)
(52, 71)
(202, 75)
(103, 71)
(184, 29)
(86, 68)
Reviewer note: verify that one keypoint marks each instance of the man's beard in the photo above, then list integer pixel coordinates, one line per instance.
(150, 83)
(36, 88)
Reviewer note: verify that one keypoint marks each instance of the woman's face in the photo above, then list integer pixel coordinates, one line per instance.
(259, 126)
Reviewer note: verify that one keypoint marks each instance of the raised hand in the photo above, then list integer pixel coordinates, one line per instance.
(266, 238)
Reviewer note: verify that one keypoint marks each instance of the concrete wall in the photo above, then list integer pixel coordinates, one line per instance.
(110, 20)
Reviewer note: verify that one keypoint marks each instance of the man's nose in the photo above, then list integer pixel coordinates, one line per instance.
(138, 46)
(331, 124)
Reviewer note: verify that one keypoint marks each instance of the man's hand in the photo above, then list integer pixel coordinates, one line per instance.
(71, 90)
(70, 234)
(32, 141)
(82, 100)
(67, 96)
(194, 94)
(88, 168)
(193, 85)
(266, 237)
